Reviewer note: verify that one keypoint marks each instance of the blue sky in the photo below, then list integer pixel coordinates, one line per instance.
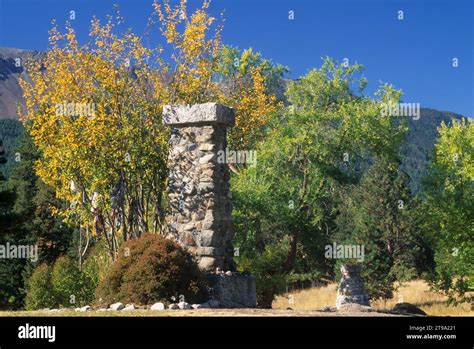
(414, 54)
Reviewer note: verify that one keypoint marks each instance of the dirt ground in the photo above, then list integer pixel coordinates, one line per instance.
(199, 312)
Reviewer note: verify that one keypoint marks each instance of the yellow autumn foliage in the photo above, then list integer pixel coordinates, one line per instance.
(94, 112)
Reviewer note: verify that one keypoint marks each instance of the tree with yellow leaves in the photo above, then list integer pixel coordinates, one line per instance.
(94, 112)
(90, 112)
(251, 83)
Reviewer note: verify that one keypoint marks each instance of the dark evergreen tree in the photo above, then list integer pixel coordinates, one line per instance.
(381, 215)
(10, 269)
(35, 201)
(27, 218)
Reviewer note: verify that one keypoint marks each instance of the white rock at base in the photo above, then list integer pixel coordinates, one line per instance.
(158, 306)
(85, 308)
(184, 305)
(196, 306)
(117, 306)
(129, 307)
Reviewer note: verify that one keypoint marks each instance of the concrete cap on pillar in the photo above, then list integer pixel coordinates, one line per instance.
(192, 114)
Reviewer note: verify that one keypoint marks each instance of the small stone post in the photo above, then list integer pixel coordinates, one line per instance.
(351, 289)
(200, 211)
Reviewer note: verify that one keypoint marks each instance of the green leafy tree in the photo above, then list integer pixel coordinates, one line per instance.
(311, 152)
(449, 191)
(235, 63)
(259, 86)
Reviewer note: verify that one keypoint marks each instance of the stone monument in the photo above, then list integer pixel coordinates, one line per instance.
(351, 289)
(199, 198)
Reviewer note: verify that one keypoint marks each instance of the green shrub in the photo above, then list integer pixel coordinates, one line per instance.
(62, 285)
(267, 268)
(71, 287)
(98, 261)
(150, 269)
(40, 292)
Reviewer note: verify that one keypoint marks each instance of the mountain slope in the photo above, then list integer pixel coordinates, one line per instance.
(421, 138)
(10, 91)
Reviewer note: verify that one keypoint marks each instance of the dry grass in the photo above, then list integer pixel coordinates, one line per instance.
(309, 299)
(302, 303)
(415, 292)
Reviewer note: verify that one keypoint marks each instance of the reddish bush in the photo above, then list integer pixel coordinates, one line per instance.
(151, 269)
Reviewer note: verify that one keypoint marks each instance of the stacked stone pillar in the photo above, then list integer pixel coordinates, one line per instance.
(199, 205)
(200, 211)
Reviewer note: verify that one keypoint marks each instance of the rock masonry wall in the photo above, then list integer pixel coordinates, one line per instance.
(199, 199)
